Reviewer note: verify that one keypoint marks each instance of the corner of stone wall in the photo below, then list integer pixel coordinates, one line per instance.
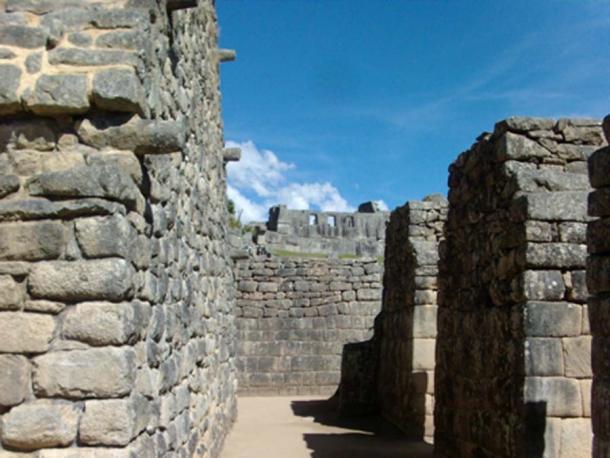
(513, 373)
(116, 313)
(407, 324)
(598, 281)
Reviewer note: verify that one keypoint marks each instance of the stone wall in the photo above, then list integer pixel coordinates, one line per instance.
(513, 371)
(407, 324)
(598, 280)
(117, 292)
(294, 317)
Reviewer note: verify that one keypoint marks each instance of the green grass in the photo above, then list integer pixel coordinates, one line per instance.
(297, 254)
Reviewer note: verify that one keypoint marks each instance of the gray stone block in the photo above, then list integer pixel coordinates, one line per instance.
(25, 332)
(76, 374)
(108, 422)
(58, 94)
(22, 36)
(577, 355)
(543, 357)
(14, 380)
(40, 424)
(552, 319)
(543, 285)
(131, 39)
(11, 210)
(8, 185)
(555, 206)
(10, 77)
(12, 293)
(105, 236)
(89, 58)
(555, 255)
(106, 279)
(118, 90)
(561, 395)
(31, 241)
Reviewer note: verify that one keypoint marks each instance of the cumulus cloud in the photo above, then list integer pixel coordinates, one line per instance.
(259, 181)
(382, 205)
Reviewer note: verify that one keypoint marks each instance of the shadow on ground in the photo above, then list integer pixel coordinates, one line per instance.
(372, 437)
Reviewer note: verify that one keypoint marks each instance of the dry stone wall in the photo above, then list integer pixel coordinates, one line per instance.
(598, 281)
(407, 324)
(116, 313)
(294, 318)
(513, 373)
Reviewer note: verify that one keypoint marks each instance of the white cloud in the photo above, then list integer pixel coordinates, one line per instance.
(382, 205)
(258, 181)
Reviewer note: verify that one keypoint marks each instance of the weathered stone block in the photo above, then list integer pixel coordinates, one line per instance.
(142, 136)
(8, 185)
(44, 306)
(105, 236)
(105, 181)
(102, 323)
(25, 332)
(109, 422)
(424, 322)
(30, 209)
(117, 90)
(31, 241)
(553, 255)
(40, 424)
(368, 294)
(544, 357)
(577, 355)
(14, 379)
(109, 279)
(56, 94)
(89, 58)
(552, 319)
(553, 206)
(95, 373)
(132, 40)
(576, 438)
(543, 285)
(519, 147)
(12, 293)
(424, 354)
(561, 395)
(22, 37)
(10, 76)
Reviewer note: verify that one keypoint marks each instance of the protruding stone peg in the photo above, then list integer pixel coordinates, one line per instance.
(173, 5)
(231, 154)
(226, 55)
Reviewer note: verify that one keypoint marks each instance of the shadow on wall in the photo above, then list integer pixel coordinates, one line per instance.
(371, 436)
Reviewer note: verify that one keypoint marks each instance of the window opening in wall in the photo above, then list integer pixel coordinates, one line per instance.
(313, 220)
(331, 221)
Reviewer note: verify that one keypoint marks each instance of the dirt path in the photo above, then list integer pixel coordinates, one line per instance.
(304, 427)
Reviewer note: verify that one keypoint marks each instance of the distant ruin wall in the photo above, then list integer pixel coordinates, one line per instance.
(598, 280)
(407, 323)
(513, 373)
(116, 312)
(294, 317)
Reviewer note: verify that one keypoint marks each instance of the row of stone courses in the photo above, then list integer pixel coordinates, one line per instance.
(598, 281)
(513, 372)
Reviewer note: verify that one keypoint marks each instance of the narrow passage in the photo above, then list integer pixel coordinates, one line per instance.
(306, 426)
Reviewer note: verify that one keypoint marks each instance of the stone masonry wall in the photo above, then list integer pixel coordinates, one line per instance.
(407, 324)
(116, 313)
(513, 373)
(294, 317)
(598, 281)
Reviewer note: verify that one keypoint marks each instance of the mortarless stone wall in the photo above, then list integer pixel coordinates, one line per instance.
(407, 323)
(598, 280)
(513, 372)
(294, 317)
(116, 312)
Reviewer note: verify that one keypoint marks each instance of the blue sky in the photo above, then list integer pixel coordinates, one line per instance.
(338, 102)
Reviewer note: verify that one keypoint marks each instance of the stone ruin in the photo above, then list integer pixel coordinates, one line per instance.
(128, 322)
(337, 234)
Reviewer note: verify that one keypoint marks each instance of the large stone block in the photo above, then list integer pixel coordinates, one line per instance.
(105, 236)
(554, 255)
(31, 241)
(560, 395)
(40, 424)
(95, 373)
(22, 37)
(577, 355)
(10, 76)
(90, 58)
(104, 323)
(576, 438)
(25, 332)
(12, 294)
(543, 357)
(519, 147)
(424, 321)
(552, 206)
(14, 379)
(58, 94)
(106, 279)
(543, 285)
(552, 319)
(8, 184)
(424, 354)
(118, 90)
(105, 181)
(109, 422)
